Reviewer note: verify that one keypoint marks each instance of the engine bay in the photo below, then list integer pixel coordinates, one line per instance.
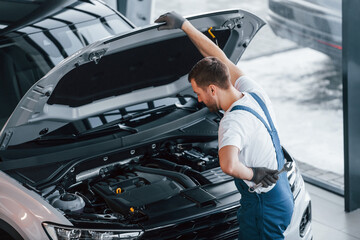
(129, 189)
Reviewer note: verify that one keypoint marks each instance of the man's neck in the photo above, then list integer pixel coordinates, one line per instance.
(230, 96)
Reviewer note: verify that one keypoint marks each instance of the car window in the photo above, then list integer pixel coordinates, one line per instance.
(50, 50)
(68, 38)
(50, 23)
(332, 4)
(49, 47)
(28, 57)
(93, 32)
(95, 7)
(70, 13)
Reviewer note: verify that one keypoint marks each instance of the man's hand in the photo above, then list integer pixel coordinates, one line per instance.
(172, 19)
(264, 175)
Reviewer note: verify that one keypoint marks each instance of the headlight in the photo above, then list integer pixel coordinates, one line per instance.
(296, 181)
(69, 233)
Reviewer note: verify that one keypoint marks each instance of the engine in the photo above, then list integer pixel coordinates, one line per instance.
(129, 193)
(127, 189)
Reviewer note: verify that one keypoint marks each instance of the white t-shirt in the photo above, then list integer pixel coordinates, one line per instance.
(245, 131)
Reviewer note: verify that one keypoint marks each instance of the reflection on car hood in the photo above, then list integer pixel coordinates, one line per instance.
(137, 66)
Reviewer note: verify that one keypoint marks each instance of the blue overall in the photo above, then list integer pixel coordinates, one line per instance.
(265, 215)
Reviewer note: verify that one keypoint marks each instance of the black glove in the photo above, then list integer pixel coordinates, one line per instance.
(265, 176)
(172, 19)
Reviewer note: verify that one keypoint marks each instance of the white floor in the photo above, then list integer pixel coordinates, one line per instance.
(330, 221)
(307, 100)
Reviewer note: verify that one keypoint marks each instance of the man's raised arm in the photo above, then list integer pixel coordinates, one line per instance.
(204, 44)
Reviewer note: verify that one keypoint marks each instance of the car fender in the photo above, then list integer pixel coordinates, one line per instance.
(25, 210)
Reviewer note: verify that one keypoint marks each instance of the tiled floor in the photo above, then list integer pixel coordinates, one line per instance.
(330, 221)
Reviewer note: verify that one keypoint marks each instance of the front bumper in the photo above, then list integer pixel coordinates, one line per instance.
(300, 225)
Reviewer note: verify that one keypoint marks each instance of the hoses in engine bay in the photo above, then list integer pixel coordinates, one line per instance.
(182, 169)
(181, 178)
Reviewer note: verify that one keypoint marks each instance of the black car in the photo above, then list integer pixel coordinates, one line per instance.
(310, 23)
(111, 143)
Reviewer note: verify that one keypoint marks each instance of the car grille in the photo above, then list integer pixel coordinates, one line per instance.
(219, 226)
(305, 220)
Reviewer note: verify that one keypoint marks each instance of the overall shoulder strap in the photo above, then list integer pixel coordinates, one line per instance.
(264, 108)
(271, 129)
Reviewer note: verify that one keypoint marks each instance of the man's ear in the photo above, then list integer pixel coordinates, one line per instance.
(212, 89)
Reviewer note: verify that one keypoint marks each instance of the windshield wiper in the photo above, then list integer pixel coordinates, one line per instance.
(137, 114)
(118, 124)
(96, 131)
(111, 128)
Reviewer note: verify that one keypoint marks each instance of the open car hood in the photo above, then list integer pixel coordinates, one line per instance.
(137, 66)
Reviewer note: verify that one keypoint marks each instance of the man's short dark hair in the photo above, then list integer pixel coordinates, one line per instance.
(210, 70)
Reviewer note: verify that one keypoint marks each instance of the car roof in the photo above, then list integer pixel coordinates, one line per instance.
(19, 17)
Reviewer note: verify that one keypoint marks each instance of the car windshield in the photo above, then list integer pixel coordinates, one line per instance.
(125, 120)
(31, 53)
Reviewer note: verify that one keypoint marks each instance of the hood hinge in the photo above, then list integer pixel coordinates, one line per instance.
(97, 55)
(233, 22)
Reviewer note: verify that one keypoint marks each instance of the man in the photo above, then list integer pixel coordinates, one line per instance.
(249, 148)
